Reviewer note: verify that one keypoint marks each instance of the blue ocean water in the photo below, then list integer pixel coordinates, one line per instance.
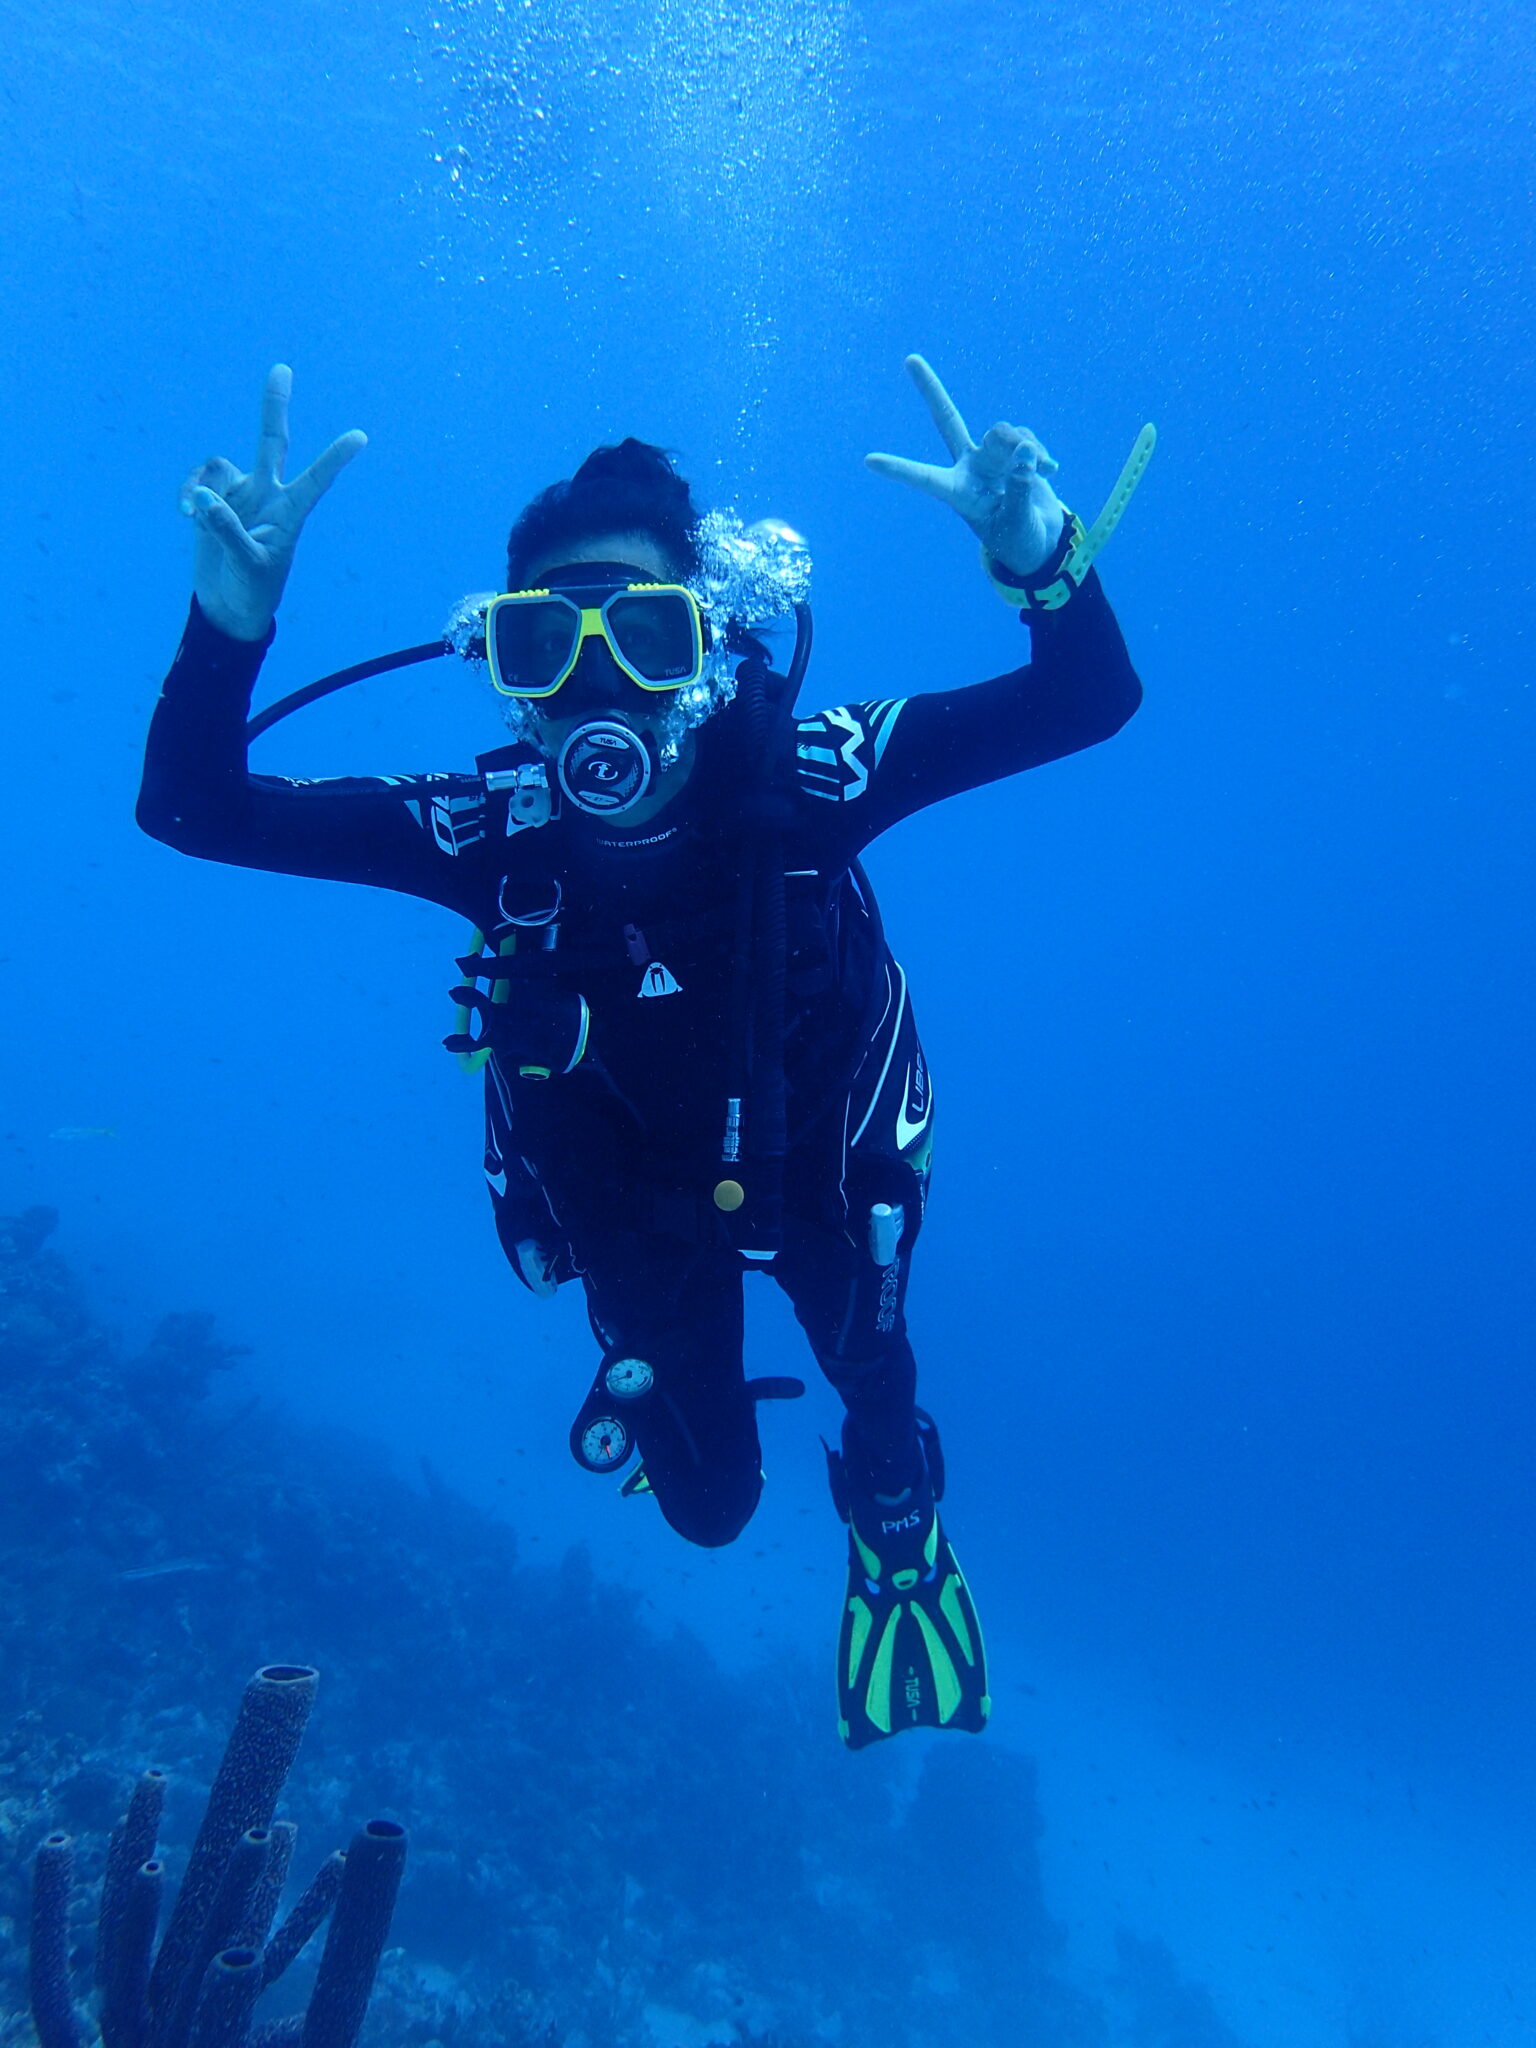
(1224, 1299)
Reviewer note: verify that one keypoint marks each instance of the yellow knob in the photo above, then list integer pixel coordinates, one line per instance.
(729, 1194)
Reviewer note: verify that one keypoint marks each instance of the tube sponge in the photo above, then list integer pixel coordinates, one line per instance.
(359, 1929)
(243, 1873)
(257, 1760)
(227, 2000)
(131, 1846)
(262, 1910)
(125, 1980)
(288, 2033)
(53, 2010)
(312, 1906)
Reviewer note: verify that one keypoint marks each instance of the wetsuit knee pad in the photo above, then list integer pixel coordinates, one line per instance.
(709, 1507)
(702, 1458)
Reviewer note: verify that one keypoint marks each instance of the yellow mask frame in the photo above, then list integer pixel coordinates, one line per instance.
(594, 622)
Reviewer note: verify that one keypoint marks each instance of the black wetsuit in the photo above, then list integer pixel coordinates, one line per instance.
(611, 1170)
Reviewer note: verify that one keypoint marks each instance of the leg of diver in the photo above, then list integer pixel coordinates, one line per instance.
(853, 1315)
(678, 1308)
(910, 1650)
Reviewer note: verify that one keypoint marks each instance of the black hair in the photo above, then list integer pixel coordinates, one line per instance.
(630, 488)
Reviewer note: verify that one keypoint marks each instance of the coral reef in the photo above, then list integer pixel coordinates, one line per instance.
(677, 1857)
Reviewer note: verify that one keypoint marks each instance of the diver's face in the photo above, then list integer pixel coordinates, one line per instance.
(599, 686)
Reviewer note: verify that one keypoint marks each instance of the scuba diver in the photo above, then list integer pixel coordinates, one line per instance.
(700, 1057)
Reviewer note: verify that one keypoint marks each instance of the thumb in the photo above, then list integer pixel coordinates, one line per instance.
(215, 517)
(1006, 448)
(922, 476)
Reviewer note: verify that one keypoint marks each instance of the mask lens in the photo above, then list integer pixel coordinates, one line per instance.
(656, 633)
(532, 641)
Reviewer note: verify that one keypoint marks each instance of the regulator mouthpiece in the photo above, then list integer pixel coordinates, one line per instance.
(605, 767)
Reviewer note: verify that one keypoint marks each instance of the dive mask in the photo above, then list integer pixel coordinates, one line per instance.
(654, 631)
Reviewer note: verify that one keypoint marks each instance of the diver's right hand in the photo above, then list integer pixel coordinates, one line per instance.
(249, 526)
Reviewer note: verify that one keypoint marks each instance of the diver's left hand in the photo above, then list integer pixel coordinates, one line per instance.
(1000, 488)
(538, 1031)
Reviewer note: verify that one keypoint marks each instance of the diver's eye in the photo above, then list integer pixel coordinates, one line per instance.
(548, 644)
(643, 644)
(655, 633)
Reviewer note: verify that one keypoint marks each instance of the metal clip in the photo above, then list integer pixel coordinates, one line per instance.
(526, 788)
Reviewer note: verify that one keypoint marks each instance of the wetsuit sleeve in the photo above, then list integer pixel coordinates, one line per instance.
(886, 759)
(397, 832)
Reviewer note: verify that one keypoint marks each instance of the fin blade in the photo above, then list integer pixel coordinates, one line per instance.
(860, 1622)
(877, 1694)
(952, 1606)
(947, 1691)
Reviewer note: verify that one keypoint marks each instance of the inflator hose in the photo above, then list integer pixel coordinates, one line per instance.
(359, 672)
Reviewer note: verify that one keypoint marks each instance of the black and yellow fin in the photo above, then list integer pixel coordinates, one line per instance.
(910, 1652)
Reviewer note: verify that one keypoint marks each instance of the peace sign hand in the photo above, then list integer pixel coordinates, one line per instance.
(249, 526)
(999, 489)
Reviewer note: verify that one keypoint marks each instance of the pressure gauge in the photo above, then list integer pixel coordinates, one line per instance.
(628, 1378)
(604, 1443)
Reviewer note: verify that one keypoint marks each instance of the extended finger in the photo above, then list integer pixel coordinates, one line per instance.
(306, 491)
(272, 442)
(946, 414)
(468, 997)
(215, 517)
(922, 476)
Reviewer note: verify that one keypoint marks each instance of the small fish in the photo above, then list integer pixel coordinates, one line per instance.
(71, 1134)
(163, 1571)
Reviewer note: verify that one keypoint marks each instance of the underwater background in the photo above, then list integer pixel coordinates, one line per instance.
(1225, 1296)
